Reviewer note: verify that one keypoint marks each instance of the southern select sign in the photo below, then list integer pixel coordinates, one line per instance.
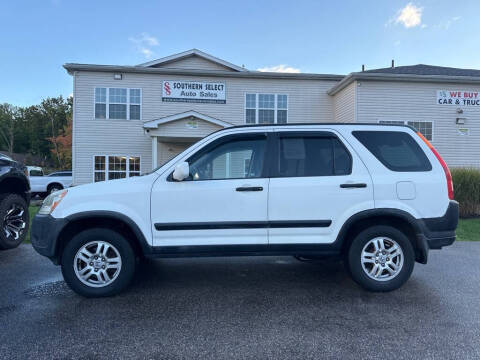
(193, 92)
(458, 97)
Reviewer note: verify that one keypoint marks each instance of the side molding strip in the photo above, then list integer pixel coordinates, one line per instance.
(243, 225)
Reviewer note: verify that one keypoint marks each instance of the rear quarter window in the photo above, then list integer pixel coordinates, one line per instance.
(397, 150)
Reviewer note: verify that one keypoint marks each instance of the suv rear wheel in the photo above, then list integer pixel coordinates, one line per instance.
(14, 218)
(98, 262)
(381, 258)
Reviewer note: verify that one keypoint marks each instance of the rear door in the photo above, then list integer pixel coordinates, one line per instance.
(317, 183)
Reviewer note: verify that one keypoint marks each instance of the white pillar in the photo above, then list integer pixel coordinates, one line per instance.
(154, 152)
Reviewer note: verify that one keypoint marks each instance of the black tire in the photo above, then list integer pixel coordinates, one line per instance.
(124, 248)
(354, 263)
(10, 237)
(53, 187)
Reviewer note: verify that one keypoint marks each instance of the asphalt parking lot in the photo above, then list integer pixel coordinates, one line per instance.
(243, 308)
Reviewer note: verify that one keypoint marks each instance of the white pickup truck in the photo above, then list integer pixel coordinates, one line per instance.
(42, 184)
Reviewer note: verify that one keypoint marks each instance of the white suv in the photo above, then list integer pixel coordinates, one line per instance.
(380, 196)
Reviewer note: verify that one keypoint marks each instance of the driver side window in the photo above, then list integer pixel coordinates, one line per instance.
(232, 157)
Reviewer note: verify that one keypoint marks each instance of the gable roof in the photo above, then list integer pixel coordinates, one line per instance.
(414, 73)
(422, 69)
(189, 53)
(153, 124)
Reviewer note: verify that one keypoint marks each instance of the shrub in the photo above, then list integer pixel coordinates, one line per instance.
(466, 188)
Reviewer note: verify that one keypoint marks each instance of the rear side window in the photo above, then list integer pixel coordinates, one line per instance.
(310, 155)
(398, 151)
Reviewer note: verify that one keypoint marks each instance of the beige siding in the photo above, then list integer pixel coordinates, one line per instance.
(167, 150)
(418, 102)
(344, 104)
(193, 62)
(180, 128)
(307, 102)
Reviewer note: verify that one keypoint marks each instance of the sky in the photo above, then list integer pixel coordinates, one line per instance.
(328, 37)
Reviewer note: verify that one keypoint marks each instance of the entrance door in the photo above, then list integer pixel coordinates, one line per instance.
(222, 202)
(317, 183)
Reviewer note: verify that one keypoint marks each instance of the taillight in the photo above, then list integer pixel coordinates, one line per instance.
(444, 166)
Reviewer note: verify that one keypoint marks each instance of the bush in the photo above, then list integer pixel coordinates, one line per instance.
(466, 188)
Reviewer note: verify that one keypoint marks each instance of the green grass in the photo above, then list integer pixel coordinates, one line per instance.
(32, 210)
(468, 229)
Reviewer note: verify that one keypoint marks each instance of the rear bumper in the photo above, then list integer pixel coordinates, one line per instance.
(438, 232)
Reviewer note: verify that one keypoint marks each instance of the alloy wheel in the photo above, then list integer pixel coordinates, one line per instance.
(14, 222)
(97, 264)
(382, 259)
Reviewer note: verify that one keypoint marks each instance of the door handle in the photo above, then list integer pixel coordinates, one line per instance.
(249, 188)
(353, 185)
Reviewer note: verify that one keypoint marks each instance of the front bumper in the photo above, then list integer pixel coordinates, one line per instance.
(44, 234)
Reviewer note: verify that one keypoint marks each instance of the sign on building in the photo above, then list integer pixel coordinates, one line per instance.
(193, 92)
(458, 97)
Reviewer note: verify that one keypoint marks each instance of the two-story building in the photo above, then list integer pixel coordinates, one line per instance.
(130, 119)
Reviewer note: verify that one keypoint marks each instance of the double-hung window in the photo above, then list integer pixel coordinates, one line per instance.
(266, 108)
(110, 167)
(424, 127)
(118, 103)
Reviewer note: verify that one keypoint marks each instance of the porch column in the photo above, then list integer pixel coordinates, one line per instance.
(154, 151)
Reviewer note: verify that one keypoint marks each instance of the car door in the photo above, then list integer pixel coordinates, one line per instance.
(222, 202)
(317, 183)
(37, 181)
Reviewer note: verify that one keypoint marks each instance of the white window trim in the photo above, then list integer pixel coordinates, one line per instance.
(106, 165)
(107, 103)
(405, 122)
(257, 106)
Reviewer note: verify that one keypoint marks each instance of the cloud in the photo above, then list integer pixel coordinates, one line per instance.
(409, 16)
(144, 43)
(446, 24)
(397, 43)
(146, 52)
(282, 68)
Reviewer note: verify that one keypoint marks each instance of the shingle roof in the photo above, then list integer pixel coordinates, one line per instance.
(422, 69)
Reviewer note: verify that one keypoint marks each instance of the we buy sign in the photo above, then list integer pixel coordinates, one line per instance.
(458, 98)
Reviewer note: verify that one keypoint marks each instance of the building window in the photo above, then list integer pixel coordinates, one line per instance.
(115, 167)
(99, 168)
(266, 108)
(424, 127)
(100, 103)
(118, 103)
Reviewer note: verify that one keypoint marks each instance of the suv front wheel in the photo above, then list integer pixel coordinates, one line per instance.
(381, 258)
(98, 262)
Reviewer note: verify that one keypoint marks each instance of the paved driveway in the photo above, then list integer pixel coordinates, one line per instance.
(243, 308)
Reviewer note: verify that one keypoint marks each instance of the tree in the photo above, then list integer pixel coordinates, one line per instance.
(63, 146)
(8, 119)
(55, 111)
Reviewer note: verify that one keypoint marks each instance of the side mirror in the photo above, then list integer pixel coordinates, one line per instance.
(182, 171)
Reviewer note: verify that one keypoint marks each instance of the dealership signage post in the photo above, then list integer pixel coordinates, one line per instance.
(193, 92)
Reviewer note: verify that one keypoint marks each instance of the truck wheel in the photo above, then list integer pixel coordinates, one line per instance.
(54, 187)
(15, 220)
(98, 262)
(381, 258)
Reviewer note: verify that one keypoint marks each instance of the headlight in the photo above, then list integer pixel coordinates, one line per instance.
(51, 202)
